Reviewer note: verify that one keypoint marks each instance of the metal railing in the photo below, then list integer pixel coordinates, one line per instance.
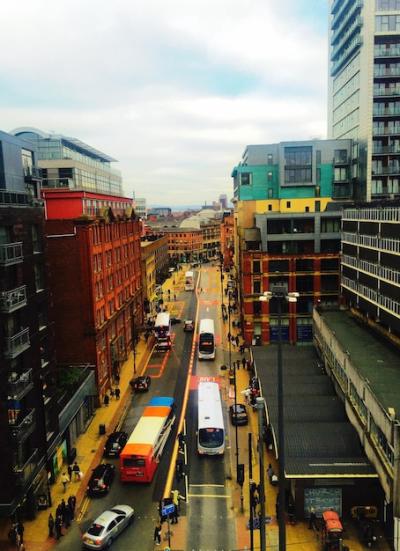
(19, 383)
(17, 344)
(22, 424)
(382, 272)
(383, 243)
(388, 303)
(26, 471)
(387, 214)
(12, 300)
(11, 253)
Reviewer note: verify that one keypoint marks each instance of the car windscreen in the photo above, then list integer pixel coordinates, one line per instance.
(211, 438)
(95, 530)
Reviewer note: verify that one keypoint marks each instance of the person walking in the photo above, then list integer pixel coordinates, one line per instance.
(244, 362)
(70, 473)
(20, 531)
(58, 527)
(77, 471)
(72, 504)
(67, 516)
(50, 524)
(112, 393)
(106, 399)
(175, 515)
(64, 481)
(117, 393)
(157, 534)
(63, 506)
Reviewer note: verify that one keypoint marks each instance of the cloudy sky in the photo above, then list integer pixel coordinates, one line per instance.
(173, 89)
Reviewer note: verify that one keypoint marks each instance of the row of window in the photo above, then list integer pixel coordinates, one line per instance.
(112, 232)
(104, 313)
(383, 5)
(108, 259)
(387, 23)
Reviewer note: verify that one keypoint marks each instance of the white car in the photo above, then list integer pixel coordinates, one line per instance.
(107, 527)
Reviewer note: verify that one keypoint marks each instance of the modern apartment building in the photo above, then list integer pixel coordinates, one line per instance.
(140, 207)
(364, 92)
(70, 164)
(371, 265)
(29, 431)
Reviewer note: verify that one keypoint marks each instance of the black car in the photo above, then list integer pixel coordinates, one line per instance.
(115, 443)
(238, 414)
(175, 320)
(101, 479)
(141, 384)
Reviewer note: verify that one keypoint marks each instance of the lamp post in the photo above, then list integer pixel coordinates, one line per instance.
(260, 409)
(234, 379)
(279, 292)
(133, 335)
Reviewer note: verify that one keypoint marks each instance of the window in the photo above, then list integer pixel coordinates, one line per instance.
(269, 176)
(318, 156)
(340, 156)
(317, 206)
(269, 207)
(288, 204)
(256, 287)
(298, 156)
(256, 267)
(317, 191)
(340, 174)
(386, 5)
(307, 209)
(387, 23)
(39, 277)
(257, 307)
(318, 175)
(269, 159)
(36, 245)
(245, 179)
(330, 225)
(270, 193)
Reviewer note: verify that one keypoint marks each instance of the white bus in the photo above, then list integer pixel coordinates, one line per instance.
(162, 331)
(206, 340)
(210, 425)
(189, 281)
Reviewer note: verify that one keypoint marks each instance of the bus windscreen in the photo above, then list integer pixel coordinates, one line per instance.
(211, 438)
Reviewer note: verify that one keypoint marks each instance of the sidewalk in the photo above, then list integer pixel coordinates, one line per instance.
(89, 453)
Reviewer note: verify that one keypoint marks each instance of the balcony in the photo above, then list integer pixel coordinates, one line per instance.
(342, 191)
(349, 13)
(24, 473)
(19, 384)
(388, 112)
(385, 170)
(392, 51)
(32, 173)
(15, 345)
(386, 92)
(340, 60)
(11, 253)
(386, 150)
(22, 425)
(13, 300)
(386, 131)
(388, 214)
(387, 72)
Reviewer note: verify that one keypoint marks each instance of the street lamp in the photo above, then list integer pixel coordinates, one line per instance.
(279, 292)
(260, 408)
(234, 379)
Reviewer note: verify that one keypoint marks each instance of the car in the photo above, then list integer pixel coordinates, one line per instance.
(101, 479)
(238, 414)
(175, 320)
(107, 527)
(188, 325)
(141, 384)
(115, 443)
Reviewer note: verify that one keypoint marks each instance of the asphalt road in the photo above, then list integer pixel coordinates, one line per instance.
(167, 375)
(210, 521)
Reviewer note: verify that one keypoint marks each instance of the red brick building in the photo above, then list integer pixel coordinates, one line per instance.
(184, 244)
(95, 279)
(227, 240)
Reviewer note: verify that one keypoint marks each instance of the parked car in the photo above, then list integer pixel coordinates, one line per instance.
(238, 414)
(101, 479)
(175, 320)
(141, 384)
(115, 443)
(107, 527)
(188, 325)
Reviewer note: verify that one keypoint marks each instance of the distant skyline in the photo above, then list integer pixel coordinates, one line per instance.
(174, 94)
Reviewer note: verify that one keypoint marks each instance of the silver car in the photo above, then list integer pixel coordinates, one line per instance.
(107, 527)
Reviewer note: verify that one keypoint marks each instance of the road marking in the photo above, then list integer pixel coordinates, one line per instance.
(84, 508)
(225, 496)
(207, 485)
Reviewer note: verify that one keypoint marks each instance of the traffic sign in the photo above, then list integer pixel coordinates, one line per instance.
(167, 509)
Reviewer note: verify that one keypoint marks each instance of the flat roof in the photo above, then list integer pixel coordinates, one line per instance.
(376, 359)
(320, 442)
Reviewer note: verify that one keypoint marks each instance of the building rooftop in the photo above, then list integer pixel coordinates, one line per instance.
(319, 439)
(377, 360)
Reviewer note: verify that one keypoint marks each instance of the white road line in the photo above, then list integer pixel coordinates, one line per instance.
(207, 486)
(211, 495)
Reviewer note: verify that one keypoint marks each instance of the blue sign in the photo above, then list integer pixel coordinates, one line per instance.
(167, 509)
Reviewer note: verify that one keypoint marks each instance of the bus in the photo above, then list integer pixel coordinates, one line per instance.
(206, 340)
(189, 281)
(210, 426)
(139, 458)
(162, 331)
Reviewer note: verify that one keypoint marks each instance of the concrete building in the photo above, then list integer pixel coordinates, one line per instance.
(364, 91)
(29, 424)
(140, 207)
(69, 163)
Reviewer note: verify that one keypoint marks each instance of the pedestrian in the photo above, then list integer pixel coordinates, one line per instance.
(175, 515)
(12, 534)
(270, 472)
(63, 506)
(71, 504)
(64, 481)
(70, 473)
(117, 393)
(117, 378)
(254, 502)
(77, 471)
(244, 362)
(312, 521)
(176, 499)
(58, 510)
(106, 399)
(174, 296)
(50, 524)
(237, 340)
(157, 534)
(20, 531)
(112, 393)
(58, 527)
(67, 516)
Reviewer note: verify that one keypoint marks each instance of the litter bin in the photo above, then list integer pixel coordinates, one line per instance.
(102, 429)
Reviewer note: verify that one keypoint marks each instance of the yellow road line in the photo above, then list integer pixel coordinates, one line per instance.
(84, 508)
